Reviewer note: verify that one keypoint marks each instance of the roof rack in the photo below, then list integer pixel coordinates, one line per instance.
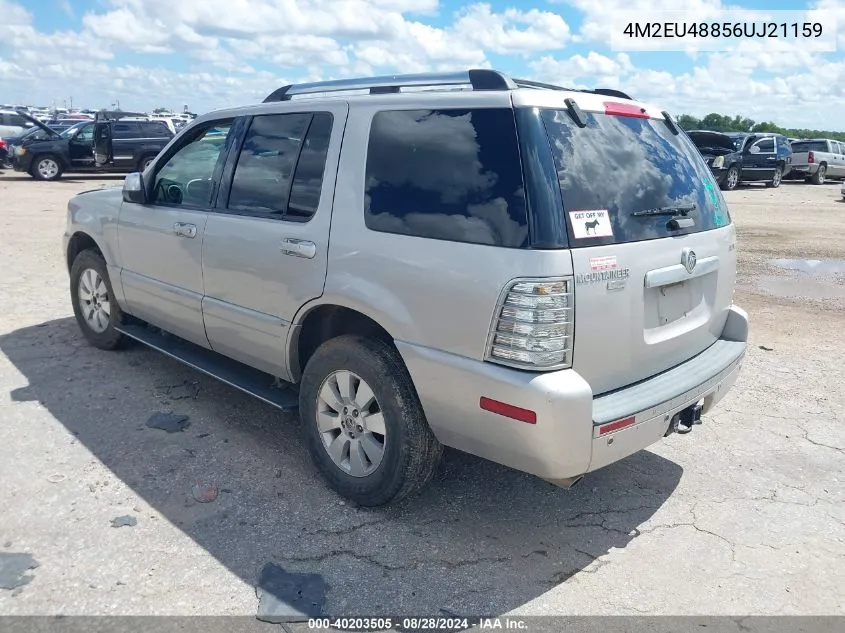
(478, 78)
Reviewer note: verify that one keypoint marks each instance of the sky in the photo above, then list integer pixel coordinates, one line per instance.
(208, 54)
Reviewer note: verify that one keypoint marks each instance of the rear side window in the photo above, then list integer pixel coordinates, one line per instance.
(622, 179)
(308, 177)
(446, 174)
(280, 166)
(125, 130)
(155, 129)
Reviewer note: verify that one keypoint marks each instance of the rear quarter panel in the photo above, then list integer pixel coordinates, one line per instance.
(434, 293)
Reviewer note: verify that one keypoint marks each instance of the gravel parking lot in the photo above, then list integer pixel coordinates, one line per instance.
(745, 515)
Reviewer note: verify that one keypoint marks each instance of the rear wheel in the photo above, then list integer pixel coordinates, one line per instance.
(364, 424)
(818, 177)
(47, 167)
(776, 178)
(94, 304)
(145, 162)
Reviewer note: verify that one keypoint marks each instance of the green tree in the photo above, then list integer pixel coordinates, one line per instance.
(738, 123)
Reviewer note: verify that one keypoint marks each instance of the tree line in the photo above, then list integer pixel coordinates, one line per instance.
(724, 123)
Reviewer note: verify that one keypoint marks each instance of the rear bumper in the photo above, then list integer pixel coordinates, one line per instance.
(803, 170)
(570, 436)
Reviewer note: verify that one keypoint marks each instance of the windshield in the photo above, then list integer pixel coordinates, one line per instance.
(809, 146)
(618, 167)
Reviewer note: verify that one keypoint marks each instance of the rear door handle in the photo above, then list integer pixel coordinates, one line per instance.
(183, 229)
(298, 248)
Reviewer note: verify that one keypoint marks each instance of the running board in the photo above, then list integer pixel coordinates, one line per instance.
(248, 379)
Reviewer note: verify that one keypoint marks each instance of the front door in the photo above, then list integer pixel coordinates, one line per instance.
(81, 147)
(161, 242)
(760, 159)
(266, 243)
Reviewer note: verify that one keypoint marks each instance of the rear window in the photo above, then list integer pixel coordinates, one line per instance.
(619, 166)
(809, 146)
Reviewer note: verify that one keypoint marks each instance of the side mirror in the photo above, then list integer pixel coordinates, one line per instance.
(754, 149)
(133, 189)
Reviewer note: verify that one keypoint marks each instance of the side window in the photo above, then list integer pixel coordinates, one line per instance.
(18, 120)
(839, 147)
(155, 129)
(262, 179)
(764, 146)
(308, 177)
(186, 178)
(86, 134)
(124, 130)
(446, 174)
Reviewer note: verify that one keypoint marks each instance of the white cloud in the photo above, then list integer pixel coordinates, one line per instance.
(501, 33)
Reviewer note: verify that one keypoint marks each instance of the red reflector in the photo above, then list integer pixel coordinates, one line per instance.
(508, 410)
(615, 426)
(625, 109)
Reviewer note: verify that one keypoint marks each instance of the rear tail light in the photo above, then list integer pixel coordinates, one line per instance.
(811, 158)
(533, 324)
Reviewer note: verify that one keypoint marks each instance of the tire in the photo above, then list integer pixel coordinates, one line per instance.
(776, 179)
(145, 161)
(410, 451)
(731, 179)
(819, 177)
(46, 167)
(100, 332)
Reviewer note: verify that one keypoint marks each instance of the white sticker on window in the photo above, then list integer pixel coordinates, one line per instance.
(591, 223)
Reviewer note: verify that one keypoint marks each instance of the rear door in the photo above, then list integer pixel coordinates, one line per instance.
(651, 240)
(265, 249)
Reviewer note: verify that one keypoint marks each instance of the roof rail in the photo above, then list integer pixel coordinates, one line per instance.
(479, 79)
(608, 92)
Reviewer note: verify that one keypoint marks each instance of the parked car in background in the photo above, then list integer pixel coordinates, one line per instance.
(311, 244)
(766, 157)
(720, 152)
(13, 123)
(4, 155)
(736, 157)
(815, 160)
(136, 143)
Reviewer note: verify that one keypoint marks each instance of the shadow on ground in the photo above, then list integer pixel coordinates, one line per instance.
(481, 539)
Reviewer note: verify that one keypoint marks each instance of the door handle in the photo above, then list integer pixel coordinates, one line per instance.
(298, 248)
(183, 229)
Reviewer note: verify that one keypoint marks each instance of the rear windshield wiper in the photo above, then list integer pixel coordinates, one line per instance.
(666, 211)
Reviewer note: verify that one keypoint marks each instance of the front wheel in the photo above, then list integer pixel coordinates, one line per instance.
(732, 178)
(776, 178)
(94, 305)
(47, 168)
(363, 422)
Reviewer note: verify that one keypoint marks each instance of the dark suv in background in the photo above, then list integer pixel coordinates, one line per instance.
(135, 144)
(736, 157)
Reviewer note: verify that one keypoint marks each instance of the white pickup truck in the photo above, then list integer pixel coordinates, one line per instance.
(818, 159)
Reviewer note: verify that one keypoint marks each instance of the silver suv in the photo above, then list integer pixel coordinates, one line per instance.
(539, 276)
